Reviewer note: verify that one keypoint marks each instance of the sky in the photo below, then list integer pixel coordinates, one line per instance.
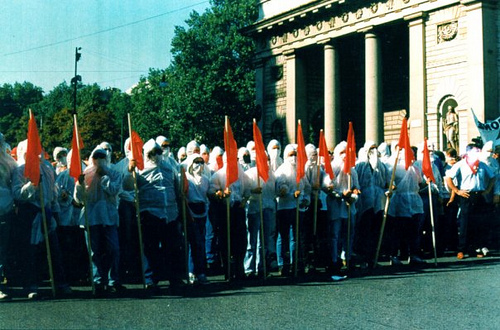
(120, 40)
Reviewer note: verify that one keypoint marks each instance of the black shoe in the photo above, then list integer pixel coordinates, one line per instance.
(116, 289)
(153, 289)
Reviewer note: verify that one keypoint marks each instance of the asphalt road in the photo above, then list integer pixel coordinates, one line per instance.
(454, 295)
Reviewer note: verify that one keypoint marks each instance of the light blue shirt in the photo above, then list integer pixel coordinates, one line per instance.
(469, 181)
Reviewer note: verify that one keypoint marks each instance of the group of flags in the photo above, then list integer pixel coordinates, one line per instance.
(34, 150)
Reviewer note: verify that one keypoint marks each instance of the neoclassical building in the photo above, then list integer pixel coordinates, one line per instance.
(328, 62)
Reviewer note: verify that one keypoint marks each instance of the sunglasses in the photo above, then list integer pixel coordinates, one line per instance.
(99, 156)
(199, 162)
(165, 146)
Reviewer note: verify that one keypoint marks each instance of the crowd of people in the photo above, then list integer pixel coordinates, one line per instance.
(320, 222)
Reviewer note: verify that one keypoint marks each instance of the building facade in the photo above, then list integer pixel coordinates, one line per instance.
(328, 62)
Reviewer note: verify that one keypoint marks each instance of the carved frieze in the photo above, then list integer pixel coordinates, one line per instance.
(447, 32)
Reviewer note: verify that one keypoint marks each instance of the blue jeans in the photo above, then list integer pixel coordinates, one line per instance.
(337, 231)
(105, 254)
(286, 223)
(196, 236)
(253, 254)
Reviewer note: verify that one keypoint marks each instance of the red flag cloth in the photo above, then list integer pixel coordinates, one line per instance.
(260, 154)
(75, 167)
(33, 152)
(404, 143)
(231, 155)
(426, 163)
(350, 151)
(135, 147)
(323, 152)
(301, 154)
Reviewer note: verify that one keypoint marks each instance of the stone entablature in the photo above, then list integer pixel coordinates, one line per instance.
(331, 19)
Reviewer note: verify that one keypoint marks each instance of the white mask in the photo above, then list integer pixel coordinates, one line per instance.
(373, 157)
(273, 153)
(292, 160)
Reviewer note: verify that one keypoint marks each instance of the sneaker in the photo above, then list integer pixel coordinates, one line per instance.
(192, 278)
(485, 251)
(64, 290)
(33, 295)
(4, 296)
(416, 260)
(460, 255)
(117, 288)
(338, 278)
(394, 261)
(202, 279)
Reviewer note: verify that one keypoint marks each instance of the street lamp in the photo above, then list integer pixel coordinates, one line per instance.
(76, 78)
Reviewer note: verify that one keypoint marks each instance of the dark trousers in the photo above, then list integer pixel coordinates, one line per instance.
(163, 247)
(130, 262)
(367, 234)
(472, 222)
(32, 258)
(238, 235)
(404, 235)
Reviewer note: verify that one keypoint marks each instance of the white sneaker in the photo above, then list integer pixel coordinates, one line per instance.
(3, 296)
(337, 278)
(485, 251)
(33, 295)
(192, 278)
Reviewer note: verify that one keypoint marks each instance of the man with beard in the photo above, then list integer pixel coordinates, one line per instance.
(98, 190)
(475, 181)
(374, 178)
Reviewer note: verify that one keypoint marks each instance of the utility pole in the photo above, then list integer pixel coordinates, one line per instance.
(76, 78)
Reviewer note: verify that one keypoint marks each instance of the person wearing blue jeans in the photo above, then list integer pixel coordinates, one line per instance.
(98, 190)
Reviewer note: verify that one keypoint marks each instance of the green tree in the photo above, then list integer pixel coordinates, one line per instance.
(211, 76)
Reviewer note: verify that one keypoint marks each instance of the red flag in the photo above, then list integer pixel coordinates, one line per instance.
(33, 151)
(426, 163)
(75, 167)
(323, 152)
(350, 151)
(301, 154)
(260, 154)
(135, 147)
(231, 155)
(404, 143)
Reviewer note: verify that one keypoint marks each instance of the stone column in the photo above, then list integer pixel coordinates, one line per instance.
(259, 90)
(332, 96)
(295, 95)
(374, 117)
(417, 93)
(482, 57)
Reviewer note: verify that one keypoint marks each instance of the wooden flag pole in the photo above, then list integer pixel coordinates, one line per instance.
(348, 254)
(262, 239)
(386, 208)
(184, 222)
(85, 215)
(46, 236)
(228, 214)
(137, 209)
(432, 223)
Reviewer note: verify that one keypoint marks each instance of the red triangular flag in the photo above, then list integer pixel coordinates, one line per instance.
(231, 155)
(350, 151)
(301, 154)
(135, 147)
(33, 151)
(75, 167)
(426, 163)
(404, 143)
(323, 152)
(260, 154)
